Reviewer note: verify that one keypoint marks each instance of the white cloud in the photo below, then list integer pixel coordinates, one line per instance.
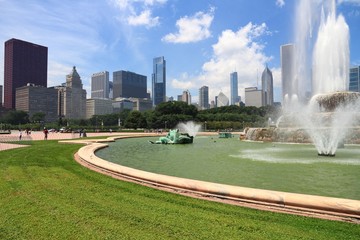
(280, 3)
(129, 11)
(239, 51)
(276, 72)
(183, 84)
(192, 29)
(144, 18)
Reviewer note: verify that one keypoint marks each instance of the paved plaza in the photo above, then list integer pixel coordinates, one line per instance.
(9, 141)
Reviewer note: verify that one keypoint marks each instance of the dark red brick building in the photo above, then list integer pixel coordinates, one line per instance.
(24, 63)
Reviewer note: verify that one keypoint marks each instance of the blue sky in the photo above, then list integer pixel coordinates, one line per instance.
(202, 41)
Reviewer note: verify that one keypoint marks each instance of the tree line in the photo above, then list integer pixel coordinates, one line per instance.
(166, 115)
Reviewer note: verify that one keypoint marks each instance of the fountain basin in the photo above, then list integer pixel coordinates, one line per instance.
(343, 208)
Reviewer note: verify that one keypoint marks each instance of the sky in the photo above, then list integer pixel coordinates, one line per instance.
(202, 41)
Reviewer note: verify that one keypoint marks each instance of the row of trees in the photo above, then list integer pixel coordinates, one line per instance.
(165, 115)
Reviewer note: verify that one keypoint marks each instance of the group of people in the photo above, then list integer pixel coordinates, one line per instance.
(28, 132)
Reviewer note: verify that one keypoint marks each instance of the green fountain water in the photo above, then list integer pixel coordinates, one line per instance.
(281, 167)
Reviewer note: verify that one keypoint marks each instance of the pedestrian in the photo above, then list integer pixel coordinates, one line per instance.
(20, 134)
(46, 132)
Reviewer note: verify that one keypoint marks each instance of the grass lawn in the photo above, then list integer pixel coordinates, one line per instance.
(45, 194)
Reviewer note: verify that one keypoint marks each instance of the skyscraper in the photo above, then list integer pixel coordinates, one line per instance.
(34, 99)
(72, 97)
(100, 85)
(128, 84)
(186, 97)
(354, 80)
(267, 87)
(287, 69)
(253, 97)
(204, 97)
(24, 63)
(159, 81)
(222, 100)
(234, 95)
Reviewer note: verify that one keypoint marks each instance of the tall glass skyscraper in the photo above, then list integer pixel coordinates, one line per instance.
(267, 87)
(234, 95)
(354, 80)
(24, 63)
(128, 84)
(204, 97)
(100, 85)
(159, 81)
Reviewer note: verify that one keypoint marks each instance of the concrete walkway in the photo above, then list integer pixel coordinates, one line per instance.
(10, 141)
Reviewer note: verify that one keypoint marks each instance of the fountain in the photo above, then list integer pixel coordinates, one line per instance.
(175, 137)
(332, 112)
(183, 134)
(189, 127)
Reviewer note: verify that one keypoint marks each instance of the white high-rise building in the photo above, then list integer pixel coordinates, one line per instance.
(72, 97)
(100, 85)
(253, 97)
(186, 97)
(222, 100)
(287, 69)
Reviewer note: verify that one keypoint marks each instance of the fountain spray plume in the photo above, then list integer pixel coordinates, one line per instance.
(189, 127)
(321, 65)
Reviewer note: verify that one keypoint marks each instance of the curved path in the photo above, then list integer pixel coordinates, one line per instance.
(301, 204)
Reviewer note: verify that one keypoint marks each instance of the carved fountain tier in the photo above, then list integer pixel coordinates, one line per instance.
(328, 121)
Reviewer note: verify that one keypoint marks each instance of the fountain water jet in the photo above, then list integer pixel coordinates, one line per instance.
(321, 51)
(189, 127)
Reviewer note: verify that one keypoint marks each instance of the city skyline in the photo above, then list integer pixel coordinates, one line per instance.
(201, 41)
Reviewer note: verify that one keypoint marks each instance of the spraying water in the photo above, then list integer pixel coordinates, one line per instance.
(189, 127)
(322, 70)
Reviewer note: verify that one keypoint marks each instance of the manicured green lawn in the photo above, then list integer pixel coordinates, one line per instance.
(45, 194)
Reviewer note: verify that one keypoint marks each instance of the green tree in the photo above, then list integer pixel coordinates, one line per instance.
(176, 107)
(38, 117)
(135, 120)
(15, 117)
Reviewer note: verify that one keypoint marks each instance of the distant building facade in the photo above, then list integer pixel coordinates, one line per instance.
(354, 79)
(24, 63)
(98, 106)
(222, 100)
(159, 80)
(186, 97)
(1, 96)
(72, 97)
(128, 84)
(141, 104)
(111, 90)
(100, 85)
(267, 87)
(234, 92)
(253, 97)
(34, 99)
(204, 98)
(287, 53)
(120, 104)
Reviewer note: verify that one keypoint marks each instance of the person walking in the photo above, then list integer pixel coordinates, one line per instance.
(20, 134)
(46, 132)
